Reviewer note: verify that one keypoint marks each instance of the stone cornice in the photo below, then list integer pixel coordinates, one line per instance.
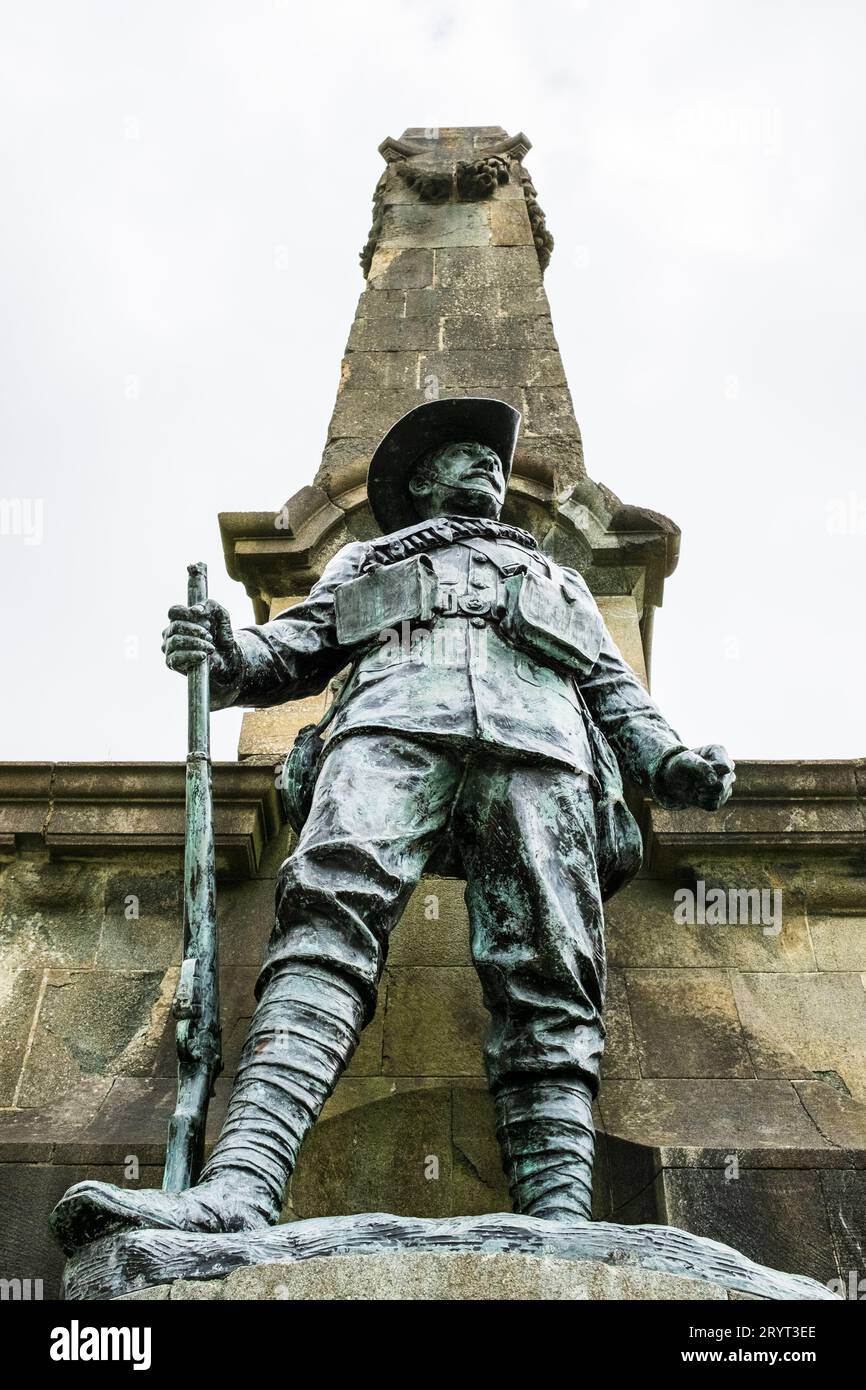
(282, 553)
(785, 810)
(393, 150)
(483, 139)
(789, 813)
(77, 810)
(514, 146)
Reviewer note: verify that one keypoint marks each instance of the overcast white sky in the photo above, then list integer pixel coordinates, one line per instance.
(186, 188)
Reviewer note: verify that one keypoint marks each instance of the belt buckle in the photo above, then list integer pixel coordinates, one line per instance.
(474, 607)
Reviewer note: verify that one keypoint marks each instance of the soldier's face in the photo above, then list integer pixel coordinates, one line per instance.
(464, 479)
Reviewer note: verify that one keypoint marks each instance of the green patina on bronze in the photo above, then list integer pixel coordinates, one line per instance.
(196, 1004)
(484, 726)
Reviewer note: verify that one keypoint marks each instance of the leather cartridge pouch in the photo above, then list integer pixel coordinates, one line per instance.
(550, 621)
(384, 598)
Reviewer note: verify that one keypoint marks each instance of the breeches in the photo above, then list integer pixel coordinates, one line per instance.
(525, 834)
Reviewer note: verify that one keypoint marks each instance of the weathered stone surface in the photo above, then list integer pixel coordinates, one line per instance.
(622, 620)
(429, 303)
(509, 225)
(50, 913)
(779, 1213)
(140, 927)
(399, 190)
(277, 851)
(502, 368)
(268, 734)
(391, 370)
(840, 1119)
(620, 1051)
(505, 270)
(798, 1024)
(480, 331)
(819, 1156)
(556, 461)
(95, 1023)
(522, 300)
(378, 1142)
(426, 225)
(362, 412)
(419, 1275)
(434, 1022)
(460, 1170)
(246, 917)
(844, 1193)
(35, 1135)
(623, 1178)
(19, 993)
(508, 312)
(344, 468)
(400, 269)
(131, 1124)
(548, 410)
(708, 1113)
(27, 1194)
(393, 334)
(367, 1060)
(434, 929)
(478, 1182)
(378, 303)
(642, 933)
(831, 886)
(839, 942)
(686, 1024)
(104, 1120)
(237, 1001)
(25, 802)
(101, 811)
(800, 809)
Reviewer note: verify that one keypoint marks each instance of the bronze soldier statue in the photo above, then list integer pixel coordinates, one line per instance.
(474, 730)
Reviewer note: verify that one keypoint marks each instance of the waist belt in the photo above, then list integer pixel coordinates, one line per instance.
(448, 604)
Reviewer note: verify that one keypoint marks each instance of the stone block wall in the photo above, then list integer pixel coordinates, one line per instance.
(734, 1093)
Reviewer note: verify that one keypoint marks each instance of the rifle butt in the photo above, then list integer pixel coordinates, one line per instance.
(186, 1130)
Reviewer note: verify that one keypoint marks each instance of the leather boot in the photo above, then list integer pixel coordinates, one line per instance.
(305, 1028)
(547, 1138)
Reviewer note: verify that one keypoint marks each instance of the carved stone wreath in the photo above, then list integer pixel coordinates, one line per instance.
(540, 235)
(468, 181)
(431, 185)
(478, 179)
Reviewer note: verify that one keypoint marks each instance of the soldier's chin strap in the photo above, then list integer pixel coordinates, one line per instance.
(547, 1138)
(444, 530)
